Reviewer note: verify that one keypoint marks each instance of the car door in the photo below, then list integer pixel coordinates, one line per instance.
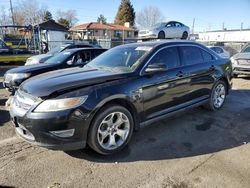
(170, 30)
(199, 69)
(178, 30)
(164, 91)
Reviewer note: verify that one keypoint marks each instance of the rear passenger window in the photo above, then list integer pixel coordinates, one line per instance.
(191, 55)
(168, 56)
(207, 56)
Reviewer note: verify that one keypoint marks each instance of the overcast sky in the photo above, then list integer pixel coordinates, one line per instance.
(209, 14)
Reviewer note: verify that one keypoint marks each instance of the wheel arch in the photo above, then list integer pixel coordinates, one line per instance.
(124, 102)
(224, 79)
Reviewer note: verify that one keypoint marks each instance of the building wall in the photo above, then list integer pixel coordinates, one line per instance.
(104, 34)
(226, 36)
(55, 38)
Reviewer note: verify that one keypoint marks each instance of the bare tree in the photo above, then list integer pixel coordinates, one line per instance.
(148, 17)
(29, 12)
(4, 17)
(69, 15)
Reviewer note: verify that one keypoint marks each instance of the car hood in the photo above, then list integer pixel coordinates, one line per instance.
(41, 57)
(31, 68)
(65, 80)
(242, 56)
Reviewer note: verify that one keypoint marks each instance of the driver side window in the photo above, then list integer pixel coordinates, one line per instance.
(82, 57)
(167, 56)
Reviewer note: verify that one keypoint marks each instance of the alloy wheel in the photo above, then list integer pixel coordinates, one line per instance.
(219, 95)
(113, 131)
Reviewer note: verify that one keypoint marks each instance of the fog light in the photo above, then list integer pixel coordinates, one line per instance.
(64, 133)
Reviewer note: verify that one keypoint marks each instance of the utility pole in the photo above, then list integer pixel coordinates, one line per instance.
(12, 15)
(193, 26)
(223, 26)
(241, 26)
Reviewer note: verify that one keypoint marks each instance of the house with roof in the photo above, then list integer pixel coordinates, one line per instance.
(52, 33)
(95, 31)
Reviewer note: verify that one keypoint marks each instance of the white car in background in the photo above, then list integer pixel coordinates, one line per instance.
(165, 30)
(220, 51)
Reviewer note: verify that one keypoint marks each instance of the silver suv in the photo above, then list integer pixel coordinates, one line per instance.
(241, 62)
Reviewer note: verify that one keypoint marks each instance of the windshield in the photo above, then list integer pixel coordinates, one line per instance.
(55, 51)
(246, 50)
(121, 59)
(59, 58)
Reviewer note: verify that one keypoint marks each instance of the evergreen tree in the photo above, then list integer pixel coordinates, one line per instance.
(64, 22)
(47, 16)
(126, 13)
(101, 19)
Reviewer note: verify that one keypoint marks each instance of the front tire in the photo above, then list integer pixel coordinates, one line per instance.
(161, 35)
(218, 96)
(111, 130)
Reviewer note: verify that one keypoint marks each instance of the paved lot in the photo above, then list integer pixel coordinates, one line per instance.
(197, 148)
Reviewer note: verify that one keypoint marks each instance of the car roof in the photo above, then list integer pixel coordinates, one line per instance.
(161, 42)
(82, 49)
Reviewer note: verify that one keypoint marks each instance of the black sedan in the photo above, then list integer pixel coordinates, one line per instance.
(123, 89)
(66, 59)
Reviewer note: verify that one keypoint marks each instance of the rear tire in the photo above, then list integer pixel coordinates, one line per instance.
(161, 35)
(217, 97)
(111, 130)
(184, 35)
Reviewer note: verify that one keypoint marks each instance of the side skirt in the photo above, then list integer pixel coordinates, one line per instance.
(169, 114)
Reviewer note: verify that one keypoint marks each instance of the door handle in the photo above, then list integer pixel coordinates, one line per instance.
(212, 68)
(180, 74)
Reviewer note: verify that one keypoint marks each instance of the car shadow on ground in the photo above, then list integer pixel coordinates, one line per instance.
(191, 133)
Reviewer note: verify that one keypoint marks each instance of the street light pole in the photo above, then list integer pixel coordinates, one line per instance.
(12, 15)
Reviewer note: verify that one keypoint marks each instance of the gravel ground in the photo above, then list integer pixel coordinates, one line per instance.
(196, 148)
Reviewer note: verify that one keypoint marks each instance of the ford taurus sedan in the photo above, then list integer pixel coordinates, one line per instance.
(120, 91)
(164, 30)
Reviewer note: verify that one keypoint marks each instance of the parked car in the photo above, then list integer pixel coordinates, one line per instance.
(44, 57)
(164, 30)
(66, 59)
(241, 62)
(121, 90)
(221, 51)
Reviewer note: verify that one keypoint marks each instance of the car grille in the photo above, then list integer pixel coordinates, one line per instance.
(22, 102)
(244, 62)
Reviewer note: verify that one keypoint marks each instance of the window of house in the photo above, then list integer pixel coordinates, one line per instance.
(117, 33)
(129, 34)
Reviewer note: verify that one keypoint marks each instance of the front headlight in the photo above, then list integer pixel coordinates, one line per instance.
(234, 61)
(53, 105)
(17, 76)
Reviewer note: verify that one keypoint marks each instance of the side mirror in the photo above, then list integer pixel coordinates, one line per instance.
(158, 67)
(69, 62)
